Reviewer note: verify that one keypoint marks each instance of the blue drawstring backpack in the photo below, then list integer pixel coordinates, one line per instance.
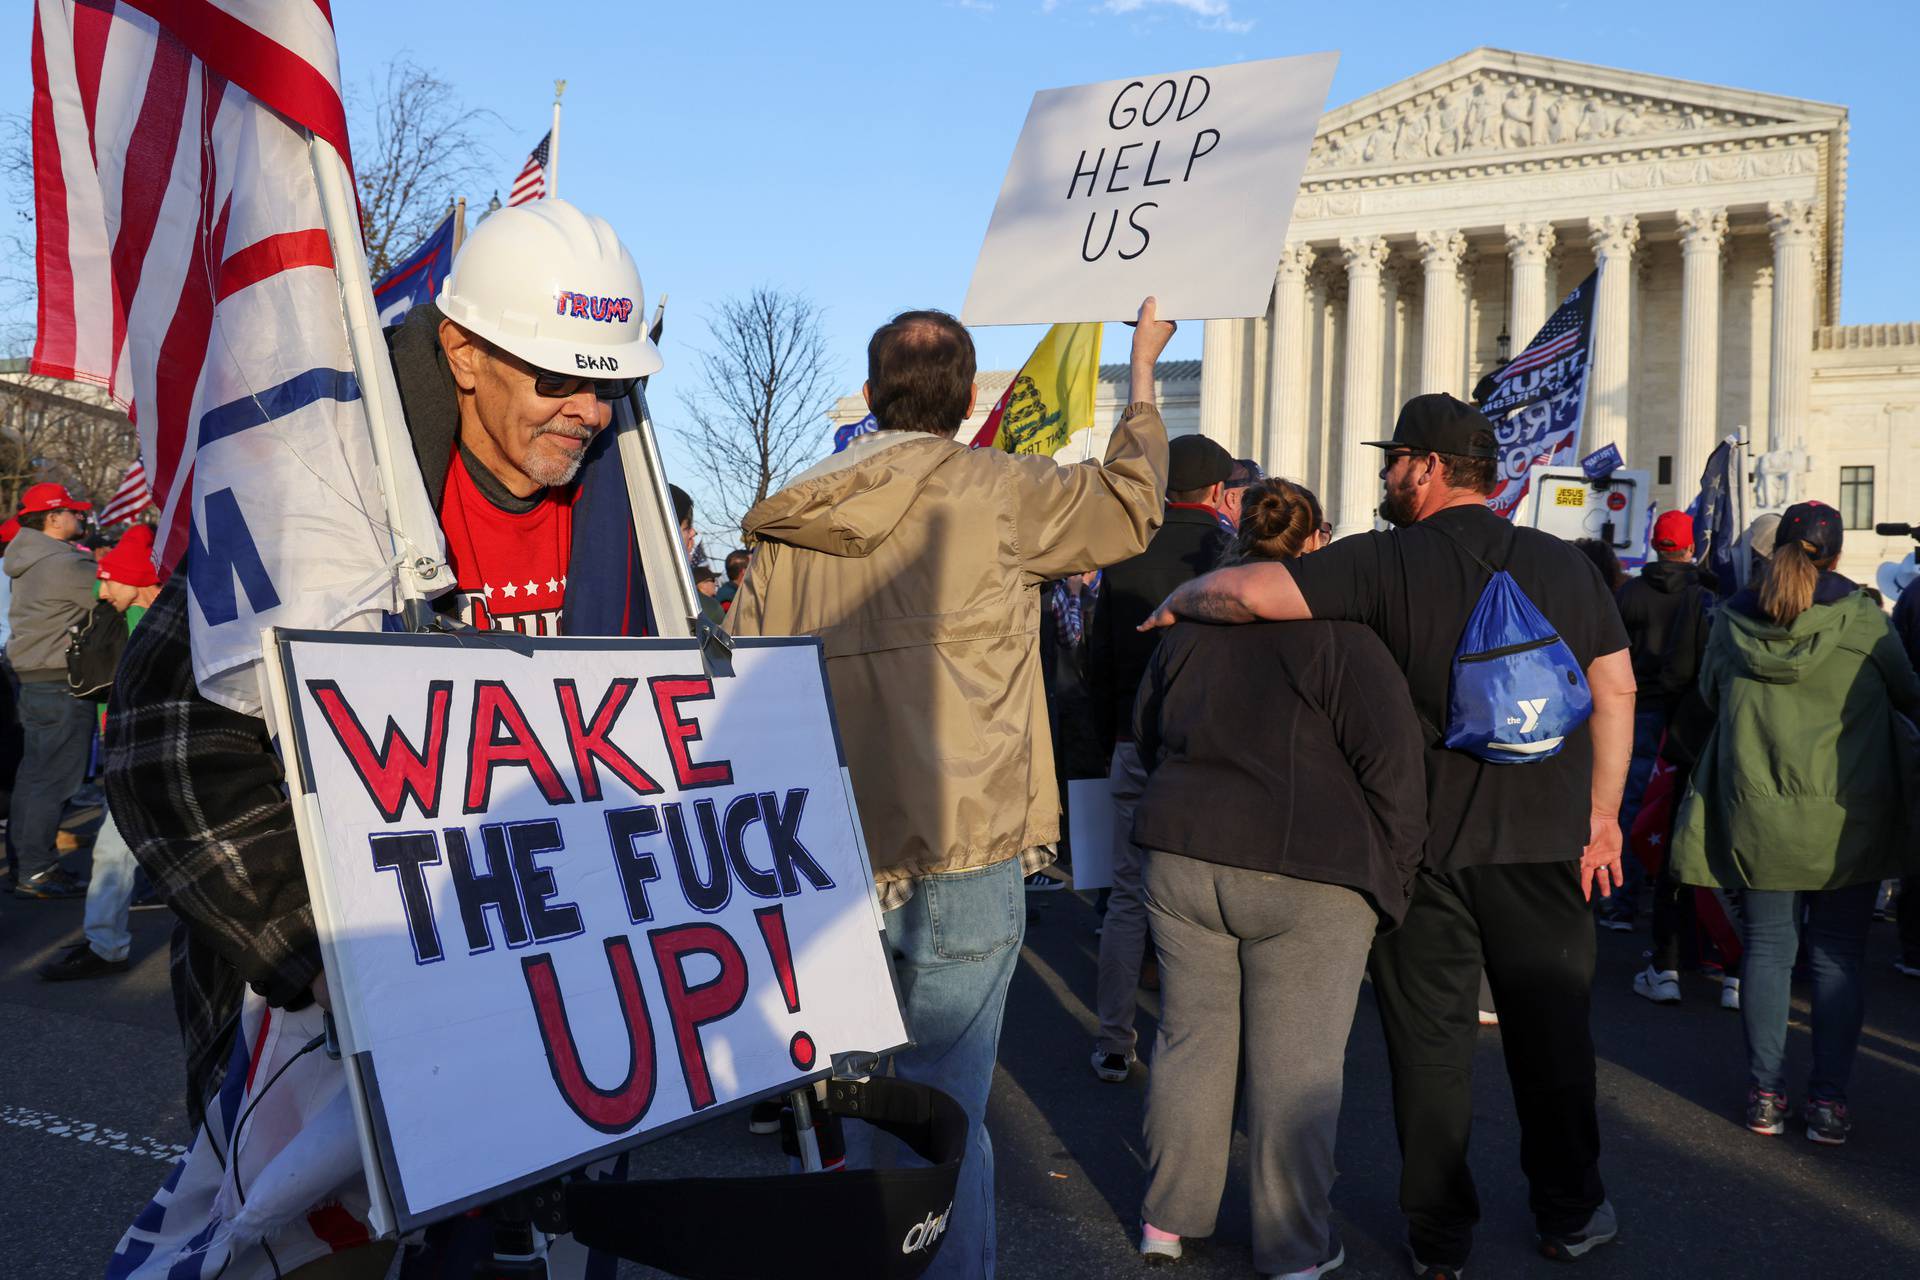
(1517, 691)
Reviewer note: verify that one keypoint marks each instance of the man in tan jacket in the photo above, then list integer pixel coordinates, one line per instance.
(918, 562)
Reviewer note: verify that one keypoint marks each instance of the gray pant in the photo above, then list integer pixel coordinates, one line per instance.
(1277, 962)
(58, 735)
(1123, 931)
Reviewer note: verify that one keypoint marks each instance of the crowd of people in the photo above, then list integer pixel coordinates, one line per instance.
(1326, 762)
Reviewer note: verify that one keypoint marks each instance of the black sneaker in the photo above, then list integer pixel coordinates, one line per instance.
(1041, 882)
(80, 961)
(765, 1117)
(1767, 1112)
(1434, 1270)
(54, 882)
(1601, 1228)
(1827, 1122)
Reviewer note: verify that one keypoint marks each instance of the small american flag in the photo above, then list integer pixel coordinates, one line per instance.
(1561, 334)
(130, 499)
(532, 182)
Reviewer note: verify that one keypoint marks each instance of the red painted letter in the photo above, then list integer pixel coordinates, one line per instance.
(395, 771)
(668, 693)
(612, 1110)
(589, 742)
(690, 1008)
(495, 711)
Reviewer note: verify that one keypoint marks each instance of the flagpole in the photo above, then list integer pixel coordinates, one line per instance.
(459, 223)
(553, 143)
(413, 531)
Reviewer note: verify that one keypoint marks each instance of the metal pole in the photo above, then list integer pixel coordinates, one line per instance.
(459, 223)
(412, 530)
(553, 143)
(662, 558)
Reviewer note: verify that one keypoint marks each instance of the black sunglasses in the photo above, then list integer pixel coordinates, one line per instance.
(558, 386)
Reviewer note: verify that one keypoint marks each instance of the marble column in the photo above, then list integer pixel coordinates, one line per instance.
(1360, 390)
(1702, 233)
(1795, 232)
(1220, 381)
(1285, 449)
(1440, 314)
(1528, 244)
(1613, 238)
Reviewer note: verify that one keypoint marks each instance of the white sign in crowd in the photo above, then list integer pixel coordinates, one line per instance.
(1174, 185)
(574, 894)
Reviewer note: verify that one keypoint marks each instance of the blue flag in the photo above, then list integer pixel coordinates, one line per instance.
(843, 436)
(1716, 527)
(1539, 399)
(417, 278)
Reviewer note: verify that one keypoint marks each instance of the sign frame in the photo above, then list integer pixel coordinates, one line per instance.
(390, 1209)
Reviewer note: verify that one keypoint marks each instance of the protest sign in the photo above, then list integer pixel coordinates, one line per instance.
(1175, 185)
(573, 893)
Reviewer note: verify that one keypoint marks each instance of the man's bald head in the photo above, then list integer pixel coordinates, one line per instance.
(920, 368)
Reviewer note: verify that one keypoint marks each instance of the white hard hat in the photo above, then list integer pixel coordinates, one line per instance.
(555, 287)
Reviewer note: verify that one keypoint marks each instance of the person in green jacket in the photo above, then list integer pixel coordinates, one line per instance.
(1798, 800)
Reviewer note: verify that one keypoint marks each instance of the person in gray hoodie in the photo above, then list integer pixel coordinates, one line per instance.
(53, 589)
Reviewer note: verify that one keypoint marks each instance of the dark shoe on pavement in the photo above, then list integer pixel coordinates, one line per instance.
(80, 961)
(1434, 1270)
(1767, 1112)
(1601, 1228)
(1114, 1068)
(54, 882)
(1041, 882)
(1827, 1122)
(765, 1117)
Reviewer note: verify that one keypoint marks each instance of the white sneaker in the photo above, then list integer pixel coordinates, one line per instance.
(1114, 1068)
(1332, 1264)
(1662, 986)
(1157, 1251)
(1730, 994)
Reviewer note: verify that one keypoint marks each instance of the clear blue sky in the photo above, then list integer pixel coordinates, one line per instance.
(854, 150)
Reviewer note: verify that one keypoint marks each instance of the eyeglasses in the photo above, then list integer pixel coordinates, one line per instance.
(1394, 455)
(558, 386)
(1326, 529)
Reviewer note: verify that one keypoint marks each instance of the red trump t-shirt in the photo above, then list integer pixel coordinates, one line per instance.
(511, 565)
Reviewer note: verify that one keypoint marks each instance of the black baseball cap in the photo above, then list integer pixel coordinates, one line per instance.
(1195, 462)
(1816, 526)
(1438, 423)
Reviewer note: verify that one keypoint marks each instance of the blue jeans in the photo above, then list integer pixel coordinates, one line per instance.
(955, 945)
(1649, 726)
(57, 732)
(1836, 931)
(110, 894)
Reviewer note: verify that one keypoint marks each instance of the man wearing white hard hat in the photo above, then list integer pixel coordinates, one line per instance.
(507, 383)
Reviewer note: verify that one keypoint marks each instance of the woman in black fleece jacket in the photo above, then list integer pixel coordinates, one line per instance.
(1284, 816)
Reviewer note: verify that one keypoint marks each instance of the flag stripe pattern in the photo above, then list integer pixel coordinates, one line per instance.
(130, 499)
(531, 184)
(184, 266)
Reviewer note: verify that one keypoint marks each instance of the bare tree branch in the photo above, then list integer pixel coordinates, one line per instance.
(51, 430)
(759, 413)
(416, 146)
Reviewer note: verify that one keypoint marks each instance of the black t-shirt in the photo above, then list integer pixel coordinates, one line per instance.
(1415, 587)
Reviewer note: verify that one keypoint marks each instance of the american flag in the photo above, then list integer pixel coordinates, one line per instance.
(130, 499)
(184, 265)
(532, 182)
(1561, 334)
(1537, 403)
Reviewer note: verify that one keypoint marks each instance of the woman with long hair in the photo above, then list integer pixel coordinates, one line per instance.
(1284, 815)
(1799, 801)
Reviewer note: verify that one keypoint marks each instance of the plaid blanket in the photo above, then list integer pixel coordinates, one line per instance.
(198, 792)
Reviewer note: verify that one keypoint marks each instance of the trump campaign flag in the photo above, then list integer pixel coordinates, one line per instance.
(1539, 399)
(184, 265)
(1050, 401)
(417, 278)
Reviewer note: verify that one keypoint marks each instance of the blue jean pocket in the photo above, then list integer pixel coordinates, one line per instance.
(972, 915)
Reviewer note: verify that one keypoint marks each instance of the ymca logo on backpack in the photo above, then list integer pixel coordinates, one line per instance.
(1517, 691)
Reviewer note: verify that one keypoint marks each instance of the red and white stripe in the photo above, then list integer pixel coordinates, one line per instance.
(531, 183)
(134, 103)
(130, 499)
(1545, 353)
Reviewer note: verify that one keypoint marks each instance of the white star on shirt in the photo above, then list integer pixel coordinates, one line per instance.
(553, 584)
(512, 590)
(487, 590)
(531, 587)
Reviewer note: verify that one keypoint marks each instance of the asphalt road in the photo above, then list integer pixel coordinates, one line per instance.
(90, 1111)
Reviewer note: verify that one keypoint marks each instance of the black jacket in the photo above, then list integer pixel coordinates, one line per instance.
(1286, 747)
(1665, 612)
(1188, 544)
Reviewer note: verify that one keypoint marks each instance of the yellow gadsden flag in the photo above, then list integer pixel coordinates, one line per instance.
(1050, 400)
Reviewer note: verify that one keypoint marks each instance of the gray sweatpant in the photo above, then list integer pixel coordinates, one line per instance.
(1274, 963)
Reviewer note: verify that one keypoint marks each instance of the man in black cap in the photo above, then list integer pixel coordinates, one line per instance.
(1188, 544)
(1514, 849)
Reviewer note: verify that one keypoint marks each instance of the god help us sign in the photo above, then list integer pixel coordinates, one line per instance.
(572, 894)
(1177, 185)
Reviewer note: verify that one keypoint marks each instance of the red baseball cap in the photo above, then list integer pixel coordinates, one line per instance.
(1673, 531)
(130, 562)
(50, 497)
(9, 530)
